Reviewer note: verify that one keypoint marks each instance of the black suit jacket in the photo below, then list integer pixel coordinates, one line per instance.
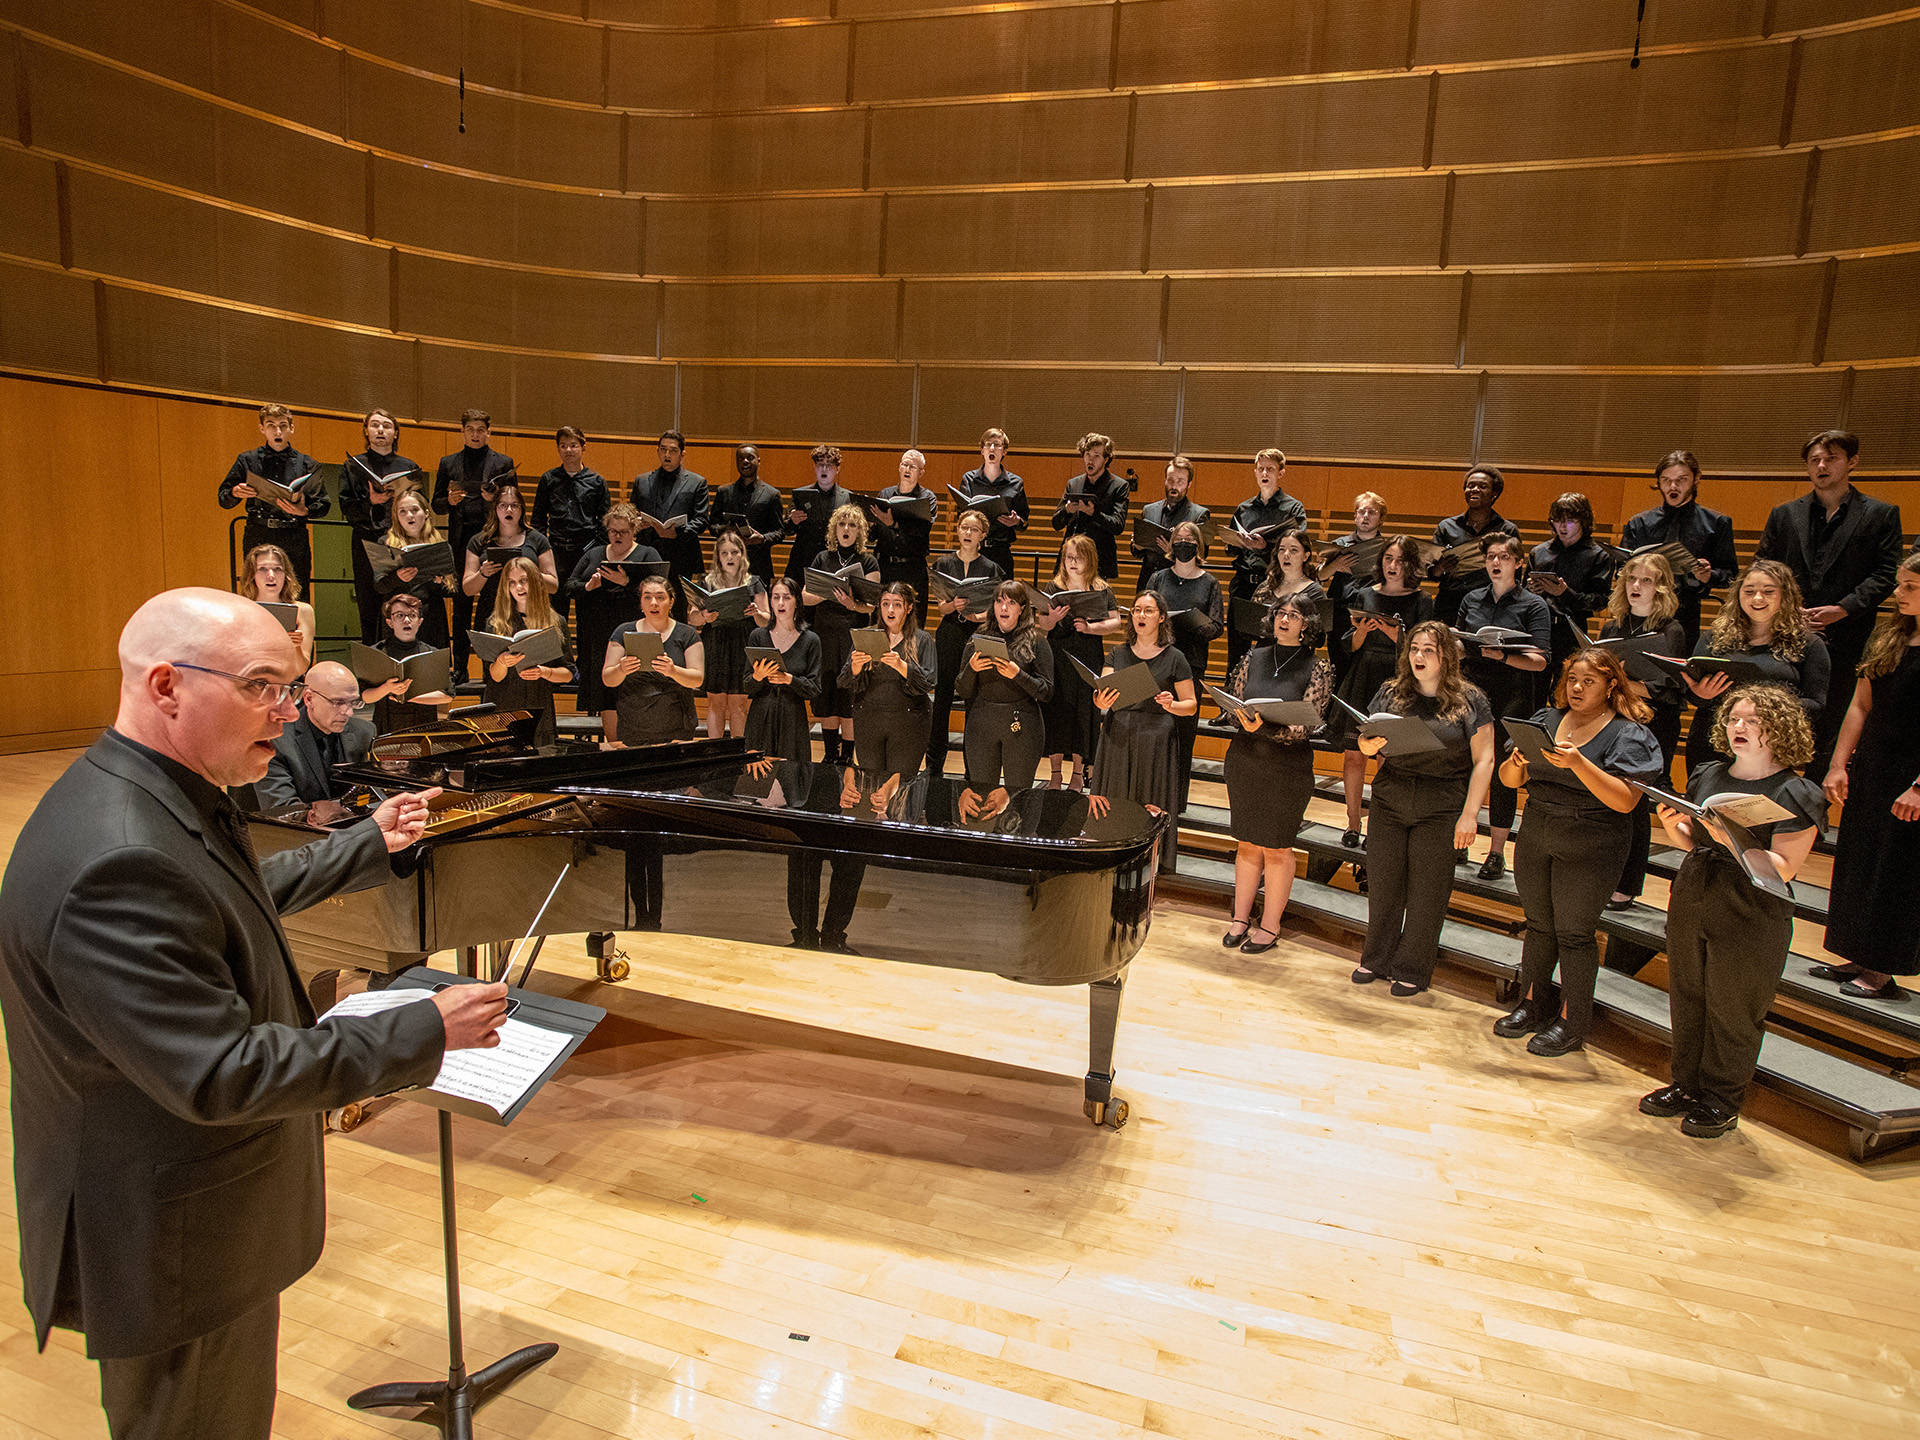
(470, 514)
(167, 1075)
(664, 494)
(1857, 571)
(298, 772)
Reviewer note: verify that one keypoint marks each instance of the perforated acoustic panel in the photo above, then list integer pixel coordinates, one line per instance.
(1015, 231)
(1876, 309)
(432, 209)
(1392, 220)
(803, 403)
(46, 321)
(1058, 320)
(1050, 408)
(1166, 42)
(812, 235)
(1398, 417)
(1315, 319)
(998, 52)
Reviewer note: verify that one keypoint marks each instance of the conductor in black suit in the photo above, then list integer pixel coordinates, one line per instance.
(1843, 547)
(168, 1077)
(327, 734)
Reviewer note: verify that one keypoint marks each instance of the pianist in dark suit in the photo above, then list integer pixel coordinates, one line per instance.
(168, 1079)
(327, 733)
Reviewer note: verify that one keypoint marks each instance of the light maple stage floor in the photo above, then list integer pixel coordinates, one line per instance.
(798, 1194)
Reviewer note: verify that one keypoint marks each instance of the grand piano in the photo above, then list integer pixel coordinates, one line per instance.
(711, 839)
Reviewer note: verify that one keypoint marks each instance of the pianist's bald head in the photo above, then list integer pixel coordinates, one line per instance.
(172, 702)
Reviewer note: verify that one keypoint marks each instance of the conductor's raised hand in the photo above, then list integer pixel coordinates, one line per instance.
(403, 818)
(471, 1015)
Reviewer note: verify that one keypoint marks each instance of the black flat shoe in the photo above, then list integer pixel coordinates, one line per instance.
(1556, 1039)
(1230, 939)
(1621, 904)
(1364, 976)
(1707, 1120)
(1889, 991)
(1523, 1019)
(1667, 1102)
(1402, 989)
(1351, 840)
(1493, 867)
(1834, 972)
(1256, 947)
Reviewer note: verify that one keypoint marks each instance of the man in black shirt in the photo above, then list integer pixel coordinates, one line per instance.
(752, 507)
(1681, 518)
(1843, 547)
(327, 733)
(901, 540)
(463, 489)
(1174, 509)
(673, 505)
(1480, 488)
(993, 478)
(568, 506)
(1099, 508)
(812, 510)
(1250, 537)
(1572, 571)
(277, 522)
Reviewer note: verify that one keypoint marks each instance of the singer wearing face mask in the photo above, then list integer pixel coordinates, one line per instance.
(1198, 610)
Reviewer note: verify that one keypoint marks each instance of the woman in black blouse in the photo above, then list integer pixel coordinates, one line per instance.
(413, 525)
(1072, 731)
(1425, 806)
(892, 696)
(1140, 750)
(1727, 939)
(605, 597)
(1645, 603)
(1762, 622)
(655, 700)
(512, 684)
(778, 690)
(1292, 571)
(504, 530)
(1381, 615)
(1006, 726)
(1572, 572)
(1574, 842)
(368, 484)
(956, 627)
(1270, 771)
(394, 708)
(1193, 599)
(726, 640)
(834, 618)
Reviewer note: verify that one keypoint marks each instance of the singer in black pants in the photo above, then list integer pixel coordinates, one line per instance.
(1006, 726)
(965, 562)
(891, 696)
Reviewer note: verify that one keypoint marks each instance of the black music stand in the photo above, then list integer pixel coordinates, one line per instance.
(449, 1405)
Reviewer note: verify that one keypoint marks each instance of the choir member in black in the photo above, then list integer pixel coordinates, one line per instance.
(1100, 510)
(1646, 602)
(505, 529)
(726, 640)
(834, 618)
(1572, 572)
(1574, 842)
(395, 707)
(1140, 750)
(1681, 518)
(1194, 602)
(607, 597)
(369, 482)
(1006, 726)
(655, 699)
(1764, 622)
(963, 562)
(1843, 548)
(902, 541)
(674, 505)
(1292, 571)
(779, 691)
(1727, 939)
(277, 522)
(463, 490)
(811, 510)
(1072, 729)
(752, 507)
(569, 505)
(1506, 676)
(1426, 806)
(1876, 776)
(1173, 510)
(892, 696)
(1336, 575)
(266, 575)
(511, 684)
(1480, 488)
(1255, 522)
(993, 478)
(1388, 611)
(413, 525)
(1270, 771)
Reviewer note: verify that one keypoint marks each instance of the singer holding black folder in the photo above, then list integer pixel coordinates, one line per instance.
(1073, 732)
(964, 562)
(505, 529)
(1270, 771)
(511, 683)
(606, 596)
(725, 640)
(892, 693)
(1426, 805)
(276, 521)
(1578, 831)
(413, 525)
(1006, 728)
(369, 482)
(901, 539)
(463, 488)
(1762, 623)
(1380, 616)
(394, 707)
(1141, 748)
(779, 688)
(1645, 607)
(569, 503)
(266, 577)
(655, 697)
(1193, 599)
(834, 618)
(1508, 676)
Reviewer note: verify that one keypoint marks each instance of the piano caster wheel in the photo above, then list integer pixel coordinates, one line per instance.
(1112, 1115)
(347, 1117)
(614, 968)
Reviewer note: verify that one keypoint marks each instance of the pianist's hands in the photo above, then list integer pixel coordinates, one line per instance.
(471, 1015)
(403, 818)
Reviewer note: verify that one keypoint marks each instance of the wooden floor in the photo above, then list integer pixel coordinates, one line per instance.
(799, 1195)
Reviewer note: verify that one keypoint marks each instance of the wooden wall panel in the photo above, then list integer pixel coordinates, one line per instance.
(700, 12)
(1858, 81)
(827, 235)
(457, 300)
(1392, 221)
(1865, 195)
(283, 172)
(194, 445)
(847, 404)
(827, 320)
(1058, 320)
(1885, 413)
(1665, 317)
(598, 396)
(998, 52)
(1015, 231)
(1876, 309)
(1457, 31)
(436, 210)
(1350, 125)
(11, 97)
(1805, 14)
(1051, 408)
(1698, 210)
(277, 70)
(305, 13)
(722, 70)
(1721, 99)
(1166, 42)
(1732, 422)
(1315, 319)
(804, 150)
(1013, 142)
(502, 48)
(174, 40)
(30, 218)
(1412, 417)
(454, 377)
(46, 321)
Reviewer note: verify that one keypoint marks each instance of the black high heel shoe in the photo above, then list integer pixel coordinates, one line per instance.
(1230, 939)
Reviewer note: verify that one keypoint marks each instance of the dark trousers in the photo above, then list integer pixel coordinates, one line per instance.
(1409, 873)
(999, 754)
(218, 1387)
(1565, 865)
(1186, 729)
(1844, 650)
(1238, 641)
(913, 573)
(1666, 729)
(564, 559)
(803, 895)
(889, 742)
(1727, 946)
(366, 599)
(291, 538)
(949, 642)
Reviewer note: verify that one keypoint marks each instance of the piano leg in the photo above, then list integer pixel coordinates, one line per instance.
(1103, 1107)
(469, 961)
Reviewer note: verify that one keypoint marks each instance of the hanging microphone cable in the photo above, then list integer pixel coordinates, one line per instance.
(1639, 20)
(463, 83)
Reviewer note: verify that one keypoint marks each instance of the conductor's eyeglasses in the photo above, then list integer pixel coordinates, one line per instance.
(268, 693)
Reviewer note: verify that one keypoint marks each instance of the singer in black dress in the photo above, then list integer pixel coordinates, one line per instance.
(521, 604)
(1140, 750)
(726, 640)
(964, 562)
(892, 696)
(605, 598)
(835, 618)
(778, 690)
(504, 530)
(1646, 603)
(368, 484)
(1375, 625)
(1073, 731)
(1198, 610)
(901, 541)
(1006, 723)
(413, 525)
(655, 701)
(1762, 621)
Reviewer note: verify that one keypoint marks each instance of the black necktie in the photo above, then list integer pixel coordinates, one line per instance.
(234, 825)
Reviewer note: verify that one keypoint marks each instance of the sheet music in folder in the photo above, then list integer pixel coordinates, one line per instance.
(496, 1078)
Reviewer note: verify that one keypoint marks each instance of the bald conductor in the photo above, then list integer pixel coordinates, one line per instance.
(168, 1077)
